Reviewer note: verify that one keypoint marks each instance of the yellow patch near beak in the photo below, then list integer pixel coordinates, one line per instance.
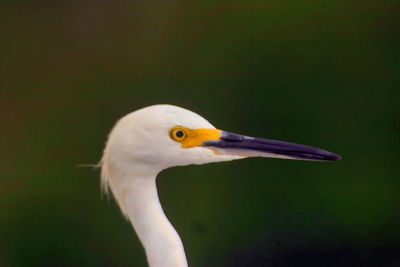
(199, 136)
(194, 137)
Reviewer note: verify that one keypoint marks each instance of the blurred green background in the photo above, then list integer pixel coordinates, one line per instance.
(322, 73)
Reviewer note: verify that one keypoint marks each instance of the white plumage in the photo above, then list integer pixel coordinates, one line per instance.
(154, 138)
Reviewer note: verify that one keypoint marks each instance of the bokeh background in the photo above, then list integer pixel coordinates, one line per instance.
(322, 73)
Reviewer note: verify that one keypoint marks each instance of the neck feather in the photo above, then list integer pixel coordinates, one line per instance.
(138, 199)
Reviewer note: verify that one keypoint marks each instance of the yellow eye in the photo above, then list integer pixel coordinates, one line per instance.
(178, 133)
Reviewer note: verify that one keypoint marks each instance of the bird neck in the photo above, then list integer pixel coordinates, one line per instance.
(161, 242)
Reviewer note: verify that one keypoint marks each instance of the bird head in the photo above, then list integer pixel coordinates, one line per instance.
(161, 136)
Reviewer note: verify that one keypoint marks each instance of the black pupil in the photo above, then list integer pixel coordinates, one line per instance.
(179, 134)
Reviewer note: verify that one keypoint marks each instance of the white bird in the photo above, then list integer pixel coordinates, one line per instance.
(149, 140)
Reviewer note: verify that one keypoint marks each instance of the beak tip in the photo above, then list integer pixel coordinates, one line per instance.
(335, 157)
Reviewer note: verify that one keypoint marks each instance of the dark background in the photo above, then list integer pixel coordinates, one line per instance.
(322, 73)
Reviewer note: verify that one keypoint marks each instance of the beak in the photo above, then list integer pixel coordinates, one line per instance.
(240, 145)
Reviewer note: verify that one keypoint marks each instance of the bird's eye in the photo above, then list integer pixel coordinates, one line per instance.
(178, 133)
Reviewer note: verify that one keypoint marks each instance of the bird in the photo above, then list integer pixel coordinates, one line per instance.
(154, 138)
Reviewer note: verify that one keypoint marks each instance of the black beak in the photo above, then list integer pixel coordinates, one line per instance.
(240, 145)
